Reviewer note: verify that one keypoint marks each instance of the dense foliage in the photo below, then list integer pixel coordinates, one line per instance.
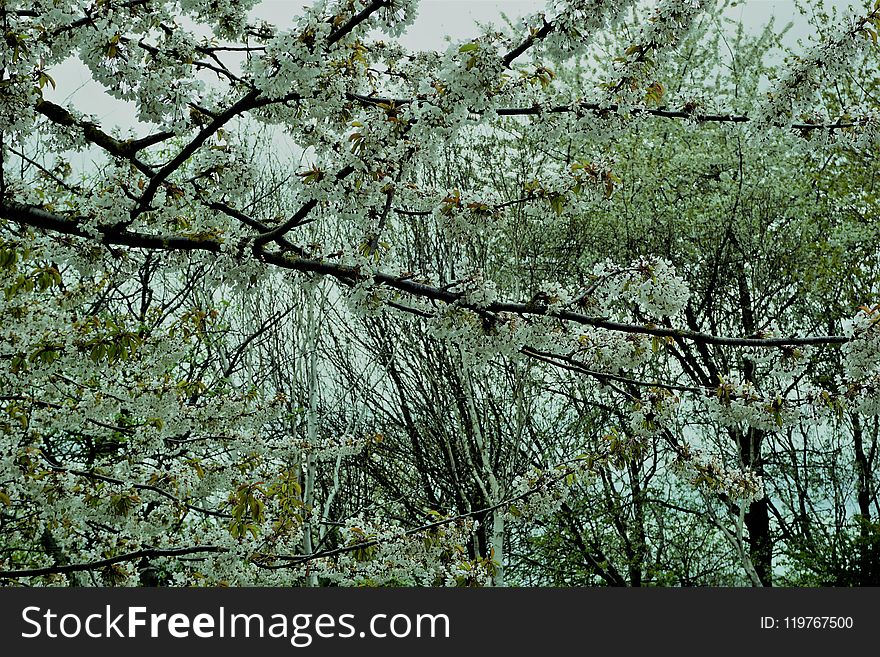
(589, 299)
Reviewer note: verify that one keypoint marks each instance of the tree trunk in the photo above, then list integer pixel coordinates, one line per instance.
(868, 569)
(757, 518)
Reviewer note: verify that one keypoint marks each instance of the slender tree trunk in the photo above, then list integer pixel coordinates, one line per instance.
(492, 492)
(757, 518)
(498, 547)
(868, 568)
(313, 327)
(638, 540)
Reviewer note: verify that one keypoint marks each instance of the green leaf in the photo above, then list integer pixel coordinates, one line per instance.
(44, 79)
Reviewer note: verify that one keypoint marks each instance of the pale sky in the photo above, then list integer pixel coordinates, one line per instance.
(437, 20)
(458, 18)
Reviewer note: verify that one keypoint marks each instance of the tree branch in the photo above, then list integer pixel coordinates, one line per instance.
(356, 20)
(155, 489)
(149, 553)
(546, 29)
(297, 217)
(93, 134)
(349, 274)
(293, 561)
(613, 108)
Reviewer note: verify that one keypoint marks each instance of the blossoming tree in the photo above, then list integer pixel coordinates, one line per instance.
(209, 353)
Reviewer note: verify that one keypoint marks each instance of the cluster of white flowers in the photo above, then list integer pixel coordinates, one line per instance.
(670, 21)
(741, 485)
(395, 16)
(867, 135)
(479, 338)
(736, 402)
(462, 214)
(227, 17)
(798, 87)
(366, 300)
(17, 98)
(479, 292)
(861, 360)
(649, 282)
(606, 351)
(390, 556)
(468, 76)
(575, 23)
(168, 86)
(656, 411)
(540, 493)
(292, 62)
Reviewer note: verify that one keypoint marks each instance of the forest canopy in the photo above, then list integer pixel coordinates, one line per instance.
(592, 298)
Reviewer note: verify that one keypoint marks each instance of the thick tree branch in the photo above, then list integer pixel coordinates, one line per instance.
(244, 104)
(356, 20)
(93, 134)
(532, 39)
(349, 274)
(601, 111)
(38, 218)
